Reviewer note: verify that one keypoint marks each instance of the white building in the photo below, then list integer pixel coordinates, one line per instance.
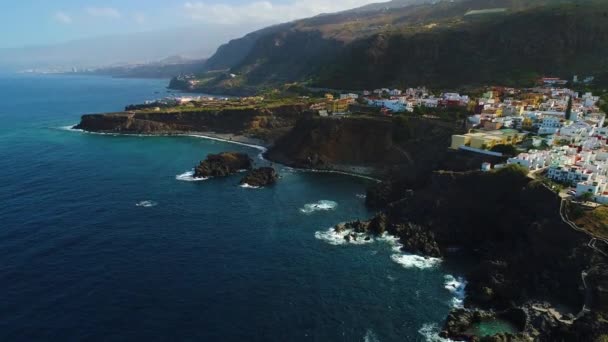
(349, 96)
(549, 125)
(569, 174)
(533, 160)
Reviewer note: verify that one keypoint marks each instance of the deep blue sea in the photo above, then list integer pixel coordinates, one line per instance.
(100, 242)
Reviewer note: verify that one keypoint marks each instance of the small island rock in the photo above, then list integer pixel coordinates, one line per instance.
(223, 164)
(261, 177)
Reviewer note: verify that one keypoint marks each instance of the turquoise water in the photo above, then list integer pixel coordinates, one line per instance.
(195, 260)
(493, 327)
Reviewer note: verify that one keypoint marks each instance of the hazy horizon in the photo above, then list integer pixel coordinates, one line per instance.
(70, 33)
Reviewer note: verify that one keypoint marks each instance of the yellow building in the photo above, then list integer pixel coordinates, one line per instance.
(329, 97)
(460, 140)
(487, 140)
(338, 106)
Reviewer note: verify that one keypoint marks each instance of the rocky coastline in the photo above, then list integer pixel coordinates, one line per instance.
(530, 261)
(510, 223)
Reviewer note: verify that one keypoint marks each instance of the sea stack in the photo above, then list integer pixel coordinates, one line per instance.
(261, 177)
(223, 164)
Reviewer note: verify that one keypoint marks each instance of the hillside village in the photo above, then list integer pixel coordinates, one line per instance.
(552, 131)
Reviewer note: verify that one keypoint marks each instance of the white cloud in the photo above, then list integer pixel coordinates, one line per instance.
(139, 18)
(265, 11)
(103, 12)
(62, 17)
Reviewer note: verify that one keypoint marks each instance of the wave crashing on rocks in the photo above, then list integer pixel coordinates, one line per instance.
(188, 176)
(247, 186)
(334, 238)
(456, 286)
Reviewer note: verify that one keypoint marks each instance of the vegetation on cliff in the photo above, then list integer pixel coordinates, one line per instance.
(445, 44)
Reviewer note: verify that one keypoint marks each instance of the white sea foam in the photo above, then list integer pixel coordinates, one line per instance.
(370, 336)
(70, 128)
(457, 287)
(188, 176)
(322, 205)
(334, 238)
(361, 196)
(247, 186)
(415, 261)
(407, 260)
(431, 331)
(146, 204)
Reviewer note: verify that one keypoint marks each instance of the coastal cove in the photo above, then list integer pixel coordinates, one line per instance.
(100, 241)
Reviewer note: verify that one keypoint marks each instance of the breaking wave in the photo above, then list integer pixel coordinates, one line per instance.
(370, 336)
(408, 260)
(322, 205)
(431, 331)
(404, 259)
(188, 176)
(146, 204)
(415, 261)
(334, 238)
(457, 287)
(247, 186)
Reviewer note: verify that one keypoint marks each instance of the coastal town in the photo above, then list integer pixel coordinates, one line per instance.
(554, 132)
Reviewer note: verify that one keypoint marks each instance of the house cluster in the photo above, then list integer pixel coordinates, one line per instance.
(334, 106)
(397, 100)
(571, 142)
(579, 167)
(549, 112)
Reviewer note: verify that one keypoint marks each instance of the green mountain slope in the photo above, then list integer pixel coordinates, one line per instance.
(446, 43)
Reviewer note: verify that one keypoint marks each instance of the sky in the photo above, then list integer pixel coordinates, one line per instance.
(26, 23)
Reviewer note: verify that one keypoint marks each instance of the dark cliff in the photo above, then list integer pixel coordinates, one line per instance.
(511, 224)
(263, 123)
(434, 43)
(525, 253)
(381, 146)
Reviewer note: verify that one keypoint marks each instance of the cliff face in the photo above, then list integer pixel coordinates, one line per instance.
(429, 42)
(512, 225)
(526, 256)
(382, 146)
(265, 123)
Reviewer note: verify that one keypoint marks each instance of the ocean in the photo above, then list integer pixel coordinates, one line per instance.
(104, 238)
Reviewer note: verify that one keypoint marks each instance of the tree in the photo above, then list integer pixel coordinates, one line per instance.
(587, 196)
(569, 109)
(508, 150)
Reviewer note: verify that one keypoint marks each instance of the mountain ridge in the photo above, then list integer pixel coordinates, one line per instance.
(512, 42)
